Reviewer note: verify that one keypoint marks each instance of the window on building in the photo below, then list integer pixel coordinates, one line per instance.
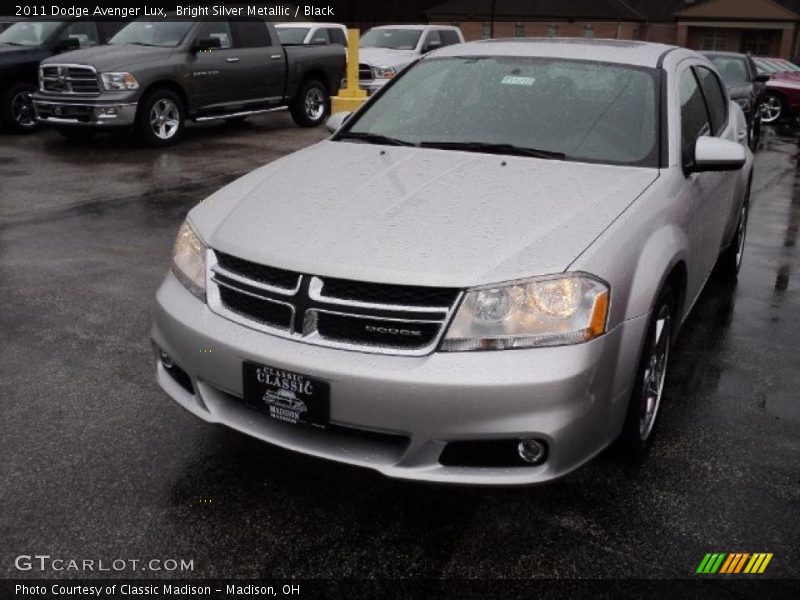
(552, 30)
(486, 30)
(758, 43)
(714, 40)
(588, 30)
(519, 30)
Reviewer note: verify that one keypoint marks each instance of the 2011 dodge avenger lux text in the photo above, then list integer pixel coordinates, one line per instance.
(479, 277)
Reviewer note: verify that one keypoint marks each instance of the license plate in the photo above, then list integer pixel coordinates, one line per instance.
(285, 395)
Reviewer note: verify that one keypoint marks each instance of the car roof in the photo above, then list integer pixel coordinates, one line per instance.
(644, 54)
(420, 26)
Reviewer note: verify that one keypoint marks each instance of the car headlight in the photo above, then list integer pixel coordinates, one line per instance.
(189, 260)
(115, 82)
(384, 72)
(744, 103)
(547, 311)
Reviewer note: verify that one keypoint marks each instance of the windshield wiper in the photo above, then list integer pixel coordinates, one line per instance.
(510, 149)
(372, 138)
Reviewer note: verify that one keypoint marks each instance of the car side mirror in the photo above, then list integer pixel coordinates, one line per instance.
(67, 45)
(714, 154)
(337, 120)
(206, 44)
(762, 78)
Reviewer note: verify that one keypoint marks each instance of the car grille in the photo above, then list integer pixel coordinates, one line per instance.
(365, 72)
(65, 79)
(371, 317)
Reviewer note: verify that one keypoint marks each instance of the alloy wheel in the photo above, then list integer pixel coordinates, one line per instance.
(655, 373)
(165, 118)
(22, 110)
(315, 104)
(771, 109)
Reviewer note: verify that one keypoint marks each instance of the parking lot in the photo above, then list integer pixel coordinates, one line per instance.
(98, 462)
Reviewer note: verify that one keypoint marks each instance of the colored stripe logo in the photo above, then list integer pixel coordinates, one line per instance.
(732, 563)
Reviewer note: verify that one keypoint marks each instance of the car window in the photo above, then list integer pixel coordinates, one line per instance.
(337, 36)
(216, 29)
(292, 35)
(716, 98)
(320, 37)
(396, 39)
(85, 32)
(694, 117)
(153, 33)
(250, 34)
(732, 68)
(588, 111)
(449, 37)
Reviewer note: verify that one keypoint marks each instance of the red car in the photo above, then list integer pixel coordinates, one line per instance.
(781, 95)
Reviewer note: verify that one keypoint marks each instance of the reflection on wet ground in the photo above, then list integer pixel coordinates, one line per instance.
(96, 459)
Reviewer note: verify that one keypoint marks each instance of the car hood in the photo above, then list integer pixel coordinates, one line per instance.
(112, 57)
(385, 57)
(417, 216)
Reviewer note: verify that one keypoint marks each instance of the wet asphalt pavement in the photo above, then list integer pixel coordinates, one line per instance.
(97, 462)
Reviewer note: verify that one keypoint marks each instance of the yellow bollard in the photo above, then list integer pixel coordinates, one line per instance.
(351, 97)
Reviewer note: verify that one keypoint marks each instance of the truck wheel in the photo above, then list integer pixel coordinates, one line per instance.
(310, 106)
(648, 389)
(17, 112)
(77, 134)
(160, 118)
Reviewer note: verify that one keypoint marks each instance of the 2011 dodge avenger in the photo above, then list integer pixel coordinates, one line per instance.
(479, 277)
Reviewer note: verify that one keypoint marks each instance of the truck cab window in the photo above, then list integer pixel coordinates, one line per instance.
(216, 29)
(83, 31)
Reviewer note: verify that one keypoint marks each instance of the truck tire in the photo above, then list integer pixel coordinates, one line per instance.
(77, 134)
(311, 104)
(648, 388)
(160, 118)
(17, 111)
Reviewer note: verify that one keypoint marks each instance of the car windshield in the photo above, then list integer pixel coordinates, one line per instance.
(732, 68)
(396, 39)
(574, 110)
(292, 35)
(29, 33)
(152, 33)
(765, 66)
(787, 66)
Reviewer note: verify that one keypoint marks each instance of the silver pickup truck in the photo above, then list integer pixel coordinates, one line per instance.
(154, 75)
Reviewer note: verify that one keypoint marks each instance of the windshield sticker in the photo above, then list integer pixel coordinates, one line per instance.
(517, 80)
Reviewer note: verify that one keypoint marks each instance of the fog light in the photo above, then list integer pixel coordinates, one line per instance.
(532, 451)
(106, 111)
(165, 359)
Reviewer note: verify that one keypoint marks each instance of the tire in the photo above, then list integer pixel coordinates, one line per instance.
(18, 114)
(311, 104)
(648, 390)
(160, 118)
(772, 108)
(77, 134)
(730, 261)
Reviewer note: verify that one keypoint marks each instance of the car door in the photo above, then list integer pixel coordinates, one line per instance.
(258, 76)
(214, 72)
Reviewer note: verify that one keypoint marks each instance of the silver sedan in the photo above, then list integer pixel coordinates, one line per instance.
(479, 277)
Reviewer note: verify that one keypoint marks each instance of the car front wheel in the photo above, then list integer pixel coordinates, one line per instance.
(18, 113)
(771, 108)
(648, 389)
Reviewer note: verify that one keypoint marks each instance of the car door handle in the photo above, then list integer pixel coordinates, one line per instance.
(276, 56)
(232, 59)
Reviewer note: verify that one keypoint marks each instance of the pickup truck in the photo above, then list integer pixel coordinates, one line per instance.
(388, 49)
(23, 45)
(154, 75)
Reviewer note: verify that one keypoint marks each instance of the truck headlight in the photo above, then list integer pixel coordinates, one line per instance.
(384, 72)
(116, 82)
(546, 311)
(189, 260)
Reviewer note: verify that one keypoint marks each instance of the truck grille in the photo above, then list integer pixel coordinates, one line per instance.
(365, 72)
(371, 317)
(67, 79)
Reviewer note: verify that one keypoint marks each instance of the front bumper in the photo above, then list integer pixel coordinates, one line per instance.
(84, 113)
(372, 85)
(395, 414)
